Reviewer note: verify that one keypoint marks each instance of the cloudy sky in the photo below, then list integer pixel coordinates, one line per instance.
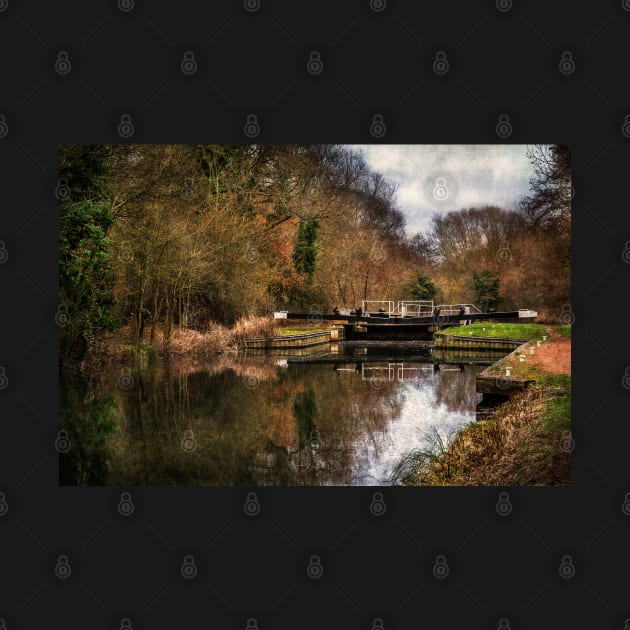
(439, 178)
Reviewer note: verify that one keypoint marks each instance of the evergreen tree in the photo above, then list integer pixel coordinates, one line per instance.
(487, 292)
(85, 275)
(305, 254)
(420, 287)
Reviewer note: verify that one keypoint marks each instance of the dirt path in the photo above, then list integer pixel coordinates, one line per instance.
(554, 356)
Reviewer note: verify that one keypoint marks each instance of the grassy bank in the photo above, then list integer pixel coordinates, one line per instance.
(297, 328)
(525, 443)
(513, 331)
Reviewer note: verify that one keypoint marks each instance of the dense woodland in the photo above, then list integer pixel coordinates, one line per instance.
(173, 236)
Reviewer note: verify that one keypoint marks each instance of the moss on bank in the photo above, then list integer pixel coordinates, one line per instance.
(511, 331)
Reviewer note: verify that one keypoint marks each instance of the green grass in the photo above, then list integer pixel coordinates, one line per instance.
(512, 331)
(302, 330)
(557, 416)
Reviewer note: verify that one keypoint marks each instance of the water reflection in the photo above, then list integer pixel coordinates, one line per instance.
(330, 419)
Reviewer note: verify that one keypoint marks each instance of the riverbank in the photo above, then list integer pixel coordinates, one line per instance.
(527, 442)
(122, 347)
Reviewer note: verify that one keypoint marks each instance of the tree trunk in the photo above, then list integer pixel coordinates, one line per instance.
(154, 313)
(139, 320)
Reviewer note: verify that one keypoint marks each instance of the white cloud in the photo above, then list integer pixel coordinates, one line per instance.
(474, 175)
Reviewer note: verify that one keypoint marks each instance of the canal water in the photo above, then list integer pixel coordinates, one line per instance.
(347, 417)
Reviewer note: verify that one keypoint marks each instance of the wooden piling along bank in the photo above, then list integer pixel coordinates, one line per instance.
(488, 381)
(293, 341)
(501, 384)
(460, 342)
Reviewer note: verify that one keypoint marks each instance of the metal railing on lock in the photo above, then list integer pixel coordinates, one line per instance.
(415, 308)
(402, 308)
(456, 309)
(394, 372)
(386, 307)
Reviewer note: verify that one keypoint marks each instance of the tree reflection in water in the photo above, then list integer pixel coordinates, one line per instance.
(251, 422)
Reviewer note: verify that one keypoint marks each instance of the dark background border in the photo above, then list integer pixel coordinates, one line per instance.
(503, 59)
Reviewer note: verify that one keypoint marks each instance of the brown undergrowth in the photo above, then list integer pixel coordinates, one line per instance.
(526, 443)
(122, 347)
